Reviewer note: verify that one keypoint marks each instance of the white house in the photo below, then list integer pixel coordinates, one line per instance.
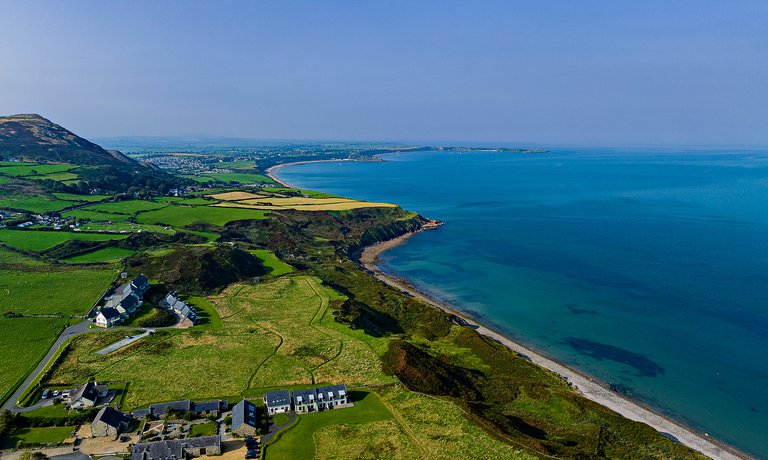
(108, 317)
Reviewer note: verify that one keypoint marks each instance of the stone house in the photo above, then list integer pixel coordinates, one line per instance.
(245, 419)
(110, 422)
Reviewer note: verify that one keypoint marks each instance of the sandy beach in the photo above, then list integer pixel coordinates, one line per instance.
(583, 384)
(271, 171)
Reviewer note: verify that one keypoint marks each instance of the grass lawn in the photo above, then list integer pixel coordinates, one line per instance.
(202, 429)
(181, 216)
(207, 313)
(47, 291)
(126, 207)
(280, 419)
(34, 203)
(39, 436)
(295, 444)
(23, 343)
(52, 411)
(101, 255)
(272, 263)
(31, 240)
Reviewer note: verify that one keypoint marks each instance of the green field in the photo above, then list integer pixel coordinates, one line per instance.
(34, 204)
(184, 201)
(272, 263)
(95, 215)
(271, 334)
(83, 198)
(295, 445)
(24, 343)
(40, 436)
(202, 429)
(34, 169)
(181, 216)
(206, 311)
(240, 178)
(57, 176)
(101, 255)
(129, 207)
(52, 291)
(124, 227)
(32, 240)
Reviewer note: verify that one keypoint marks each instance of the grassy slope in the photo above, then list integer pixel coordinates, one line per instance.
(30, 240)
(101, 255)
(23, 343)
(272, 263)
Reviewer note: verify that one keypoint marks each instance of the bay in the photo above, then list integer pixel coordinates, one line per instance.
(647, 269)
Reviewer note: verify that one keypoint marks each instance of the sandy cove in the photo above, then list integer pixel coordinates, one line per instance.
(272, 170)
(583, 384)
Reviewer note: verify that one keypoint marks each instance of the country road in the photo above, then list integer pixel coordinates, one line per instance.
(68, 333)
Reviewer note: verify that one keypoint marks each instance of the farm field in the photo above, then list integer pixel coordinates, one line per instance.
(52, 291)
(235, 196)
(31, 240)
(339, 206)
(24, 343)
(81, 198)
(34, 204)
(129, 207)
(101, 255)
(272, 263)
(37, 436)
(95, 215)
(125, 227)
(295, 444)
(240, 178)
(34, 169)
(181, 216)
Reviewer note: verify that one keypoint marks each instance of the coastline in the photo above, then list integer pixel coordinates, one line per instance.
(368, 258)
(586, 386)
(270, 172)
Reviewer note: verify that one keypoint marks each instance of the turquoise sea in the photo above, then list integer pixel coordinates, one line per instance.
(645, 269)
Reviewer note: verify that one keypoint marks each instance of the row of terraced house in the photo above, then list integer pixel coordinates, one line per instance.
(308, 400)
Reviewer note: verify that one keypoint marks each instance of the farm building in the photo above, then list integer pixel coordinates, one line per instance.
(88, 395)
(108, 317)
(110, 422)
(277, 401)
(244, 418)
(320, 399)
(177, 449)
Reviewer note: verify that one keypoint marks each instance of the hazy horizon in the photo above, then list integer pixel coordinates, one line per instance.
(596, 73)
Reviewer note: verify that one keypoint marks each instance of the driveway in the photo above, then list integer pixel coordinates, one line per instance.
(273, 429)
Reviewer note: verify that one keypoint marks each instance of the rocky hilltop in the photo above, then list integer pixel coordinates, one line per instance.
(31, 137)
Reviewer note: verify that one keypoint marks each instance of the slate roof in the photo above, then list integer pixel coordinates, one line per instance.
(244, 413)
(278, 398)
(141, 413)
(87, 391)
(172, 449)
(110, 313)
(208, 406)
(141, 283)
(111, 417)
(178, 406)
(320, 394)
(129, 302)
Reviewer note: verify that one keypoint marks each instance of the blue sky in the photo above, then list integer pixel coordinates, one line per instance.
(543, 72)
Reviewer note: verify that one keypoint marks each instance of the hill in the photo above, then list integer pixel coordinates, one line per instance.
(30, 137)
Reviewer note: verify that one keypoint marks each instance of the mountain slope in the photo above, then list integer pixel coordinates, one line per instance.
(31, 137)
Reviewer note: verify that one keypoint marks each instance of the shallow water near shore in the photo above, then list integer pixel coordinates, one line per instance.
(646, 269)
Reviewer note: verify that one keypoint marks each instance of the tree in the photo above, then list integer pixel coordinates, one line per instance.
(27, 455)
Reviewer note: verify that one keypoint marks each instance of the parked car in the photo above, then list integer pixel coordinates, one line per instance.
(46, 393)
(55, 393)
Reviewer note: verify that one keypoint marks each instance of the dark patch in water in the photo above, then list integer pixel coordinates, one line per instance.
(644, 366)
(474, 204)
(577, 310)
